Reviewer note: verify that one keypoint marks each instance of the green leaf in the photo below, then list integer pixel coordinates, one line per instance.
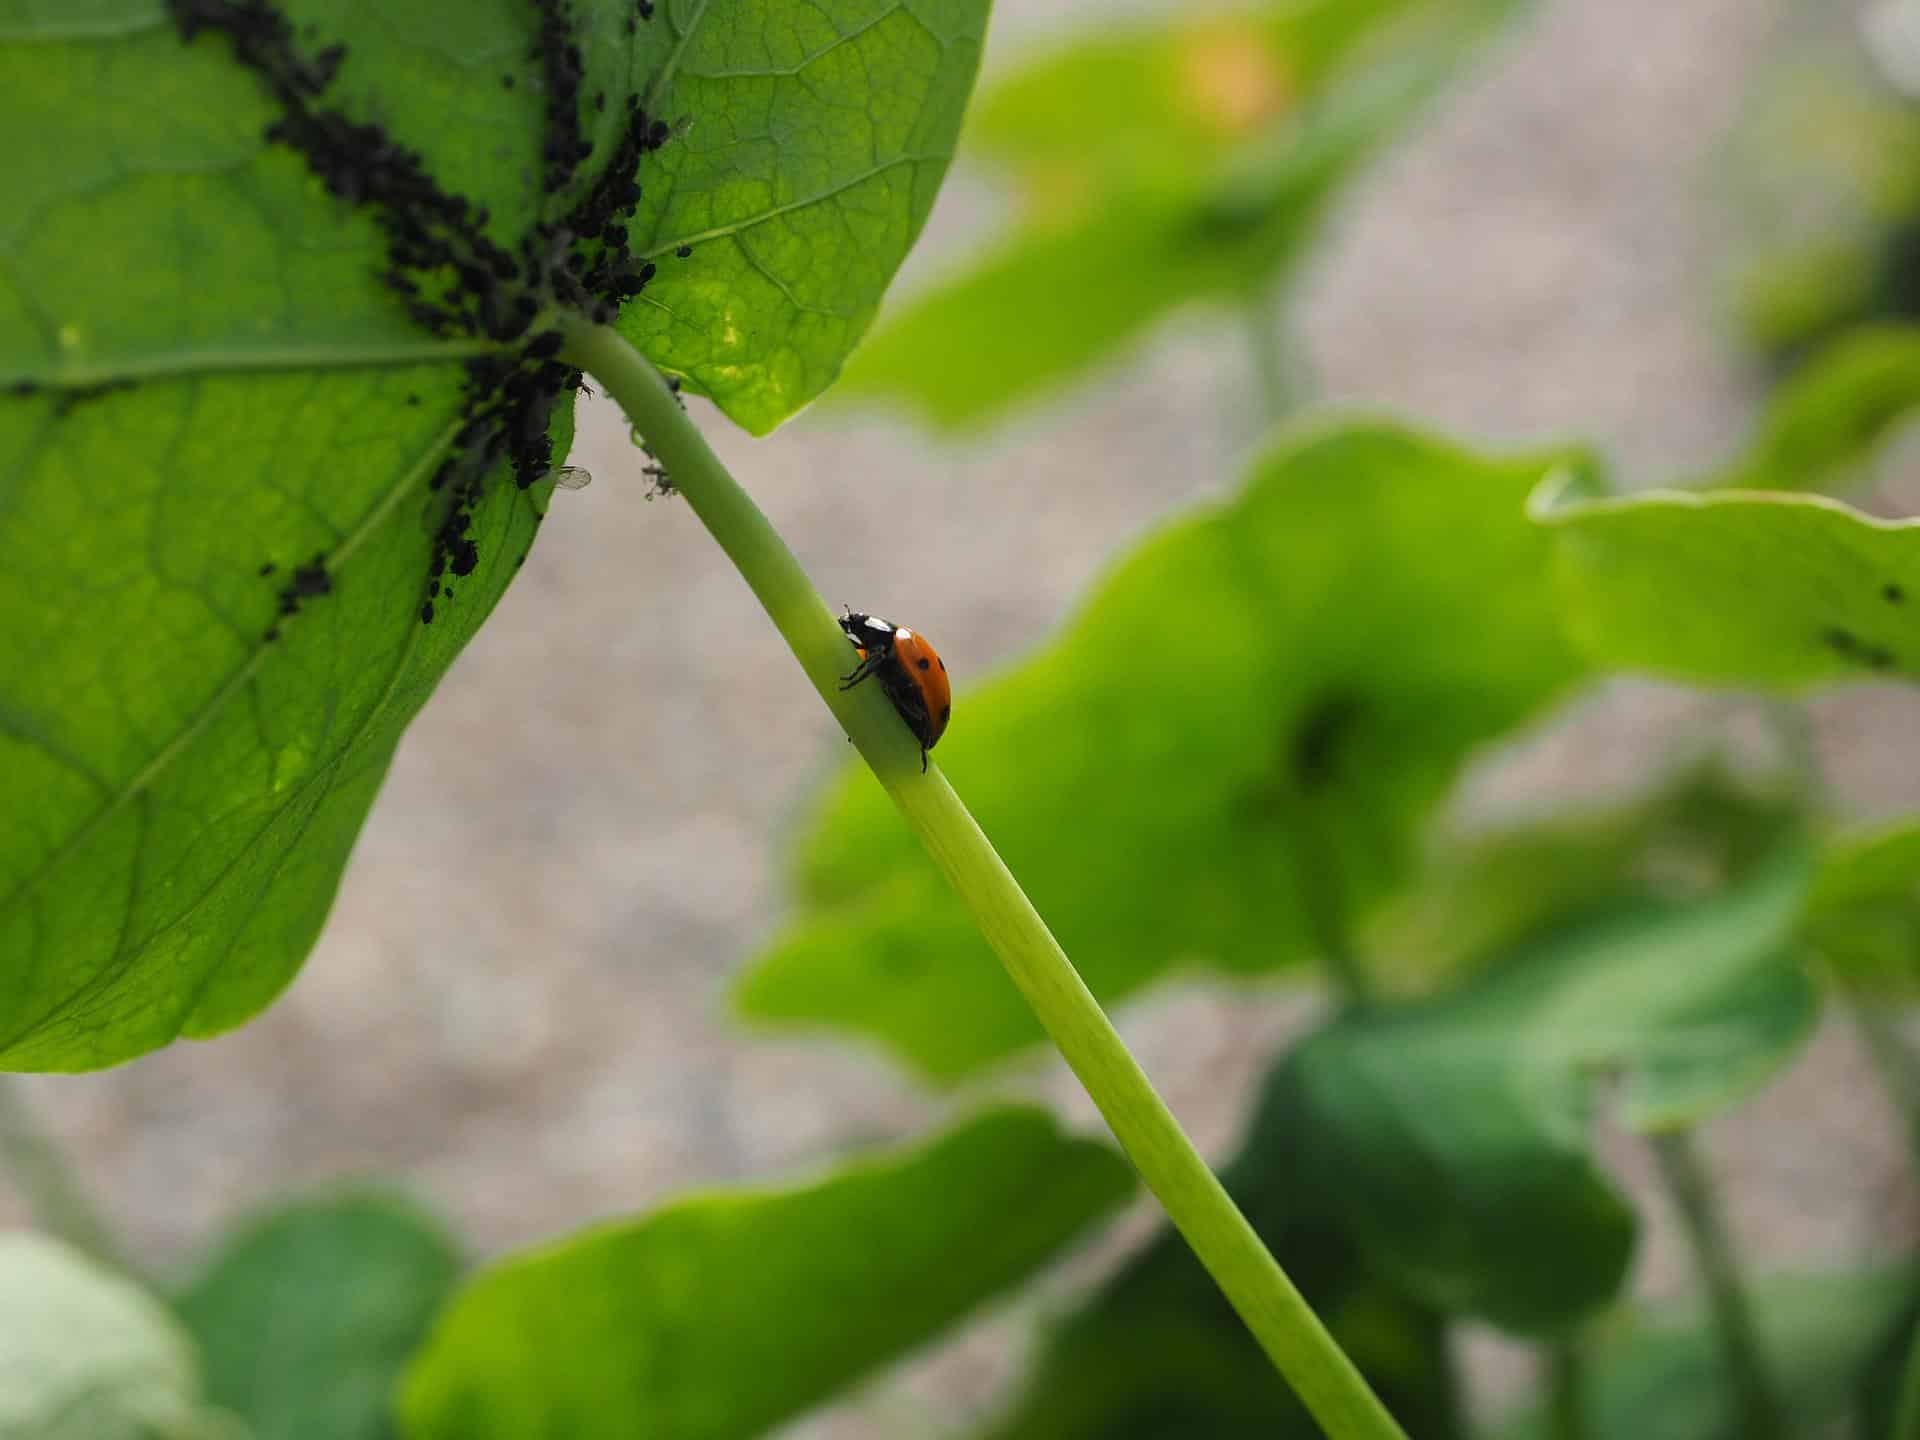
(1155, 1353)
(85, 1354)
(1664, 582)
(1479, 1102)
(1263, 696)
(724, 1314)
(213, 407)
(308, 1315)
(821, 130)
(1483, 892)
(1659, 1377)
(1863, 916)
(1824, 425)
(1186, 160)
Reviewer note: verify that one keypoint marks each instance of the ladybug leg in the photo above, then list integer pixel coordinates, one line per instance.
(861, 671)
(923, 759)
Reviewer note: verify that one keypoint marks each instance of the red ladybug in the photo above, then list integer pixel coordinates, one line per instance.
(912, 674)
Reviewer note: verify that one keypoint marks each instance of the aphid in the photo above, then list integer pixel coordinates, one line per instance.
(909, 670)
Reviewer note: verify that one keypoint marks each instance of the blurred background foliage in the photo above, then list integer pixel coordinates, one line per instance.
(1242, 754)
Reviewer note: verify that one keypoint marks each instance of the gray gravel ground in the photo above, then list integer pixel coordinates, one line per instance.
(516, 1007)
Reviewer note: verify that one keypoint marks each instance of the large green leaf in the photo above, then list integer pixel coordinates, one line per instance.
(1660, 1377)
(1189, 159)
(85, 1354)
(724, 1314)
(308, 1315)
(241, 463)
(1737, 587)
(1157, 1354)
(1241, 732)
(1455, 1130)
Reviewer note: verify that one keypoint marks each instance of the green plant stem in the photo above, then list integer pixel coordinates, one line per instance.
(1267, 348)
(1906, 1418)
(53, 1195)
(1273, 1309)
(1755, 1395)
(1566, 1390)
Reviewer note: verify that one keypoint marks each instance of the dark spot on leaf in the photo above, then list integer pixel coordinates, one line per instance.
(1849, 646)
(1314, 752)
(1893, 593)
(268, 569)
(272, 634)
(426, 613)
(310, 581)
(684, 251)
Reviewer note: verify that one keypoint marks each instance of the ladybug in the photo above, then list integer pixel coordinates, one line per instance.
(912, 674)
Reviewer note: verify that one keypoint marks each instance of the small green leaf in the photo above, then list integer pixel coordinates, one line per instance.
(1483, 892)
(1188, 160)
(1267, 691)
(1157, 1352)
(1479, 1102)
(1659, 1377)
(1664, 582)
(240, 472)
(819, 133)
(308, 1315)
(1824, 424)
(724, 1314)
(1863, 916)
(85, 1354)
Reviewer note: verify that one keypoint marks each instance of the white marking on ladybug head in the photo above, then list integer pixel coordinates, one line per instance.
(874, 622)
(903, 633)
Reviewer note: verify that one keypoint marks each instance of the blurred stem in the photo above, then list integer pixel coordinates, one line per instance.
(53, 1194)
(1274, 369)
(1755, 1396)
(1566, 1390)
(1906, 1419)
(1293, 1337)
(1893, 1061)
(1323, 896)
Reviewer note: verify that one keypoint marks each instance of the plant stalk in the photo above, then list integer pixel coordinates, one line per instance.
(1566, 1390)
(1326, 1381)
(1756, 1398)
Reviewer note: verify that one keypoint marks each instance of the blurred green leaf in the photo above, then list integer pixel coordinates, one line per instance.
(1231, 748)
(1822, 176)
(1823, 426)
(1665, 582)
(1156, 1353)
(308, 1315)
(723, 1314)
(1187, 160)
(1864, 913)
(85, 1354)
(1658, 1376)
(212, 406)
(1479, 1102)
(1481, 893)
(818, 134)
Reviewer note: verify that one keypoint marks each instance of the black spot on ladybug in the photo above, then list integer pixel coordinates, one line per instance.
(926, 664)
(943, 664)
(1893, 593)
